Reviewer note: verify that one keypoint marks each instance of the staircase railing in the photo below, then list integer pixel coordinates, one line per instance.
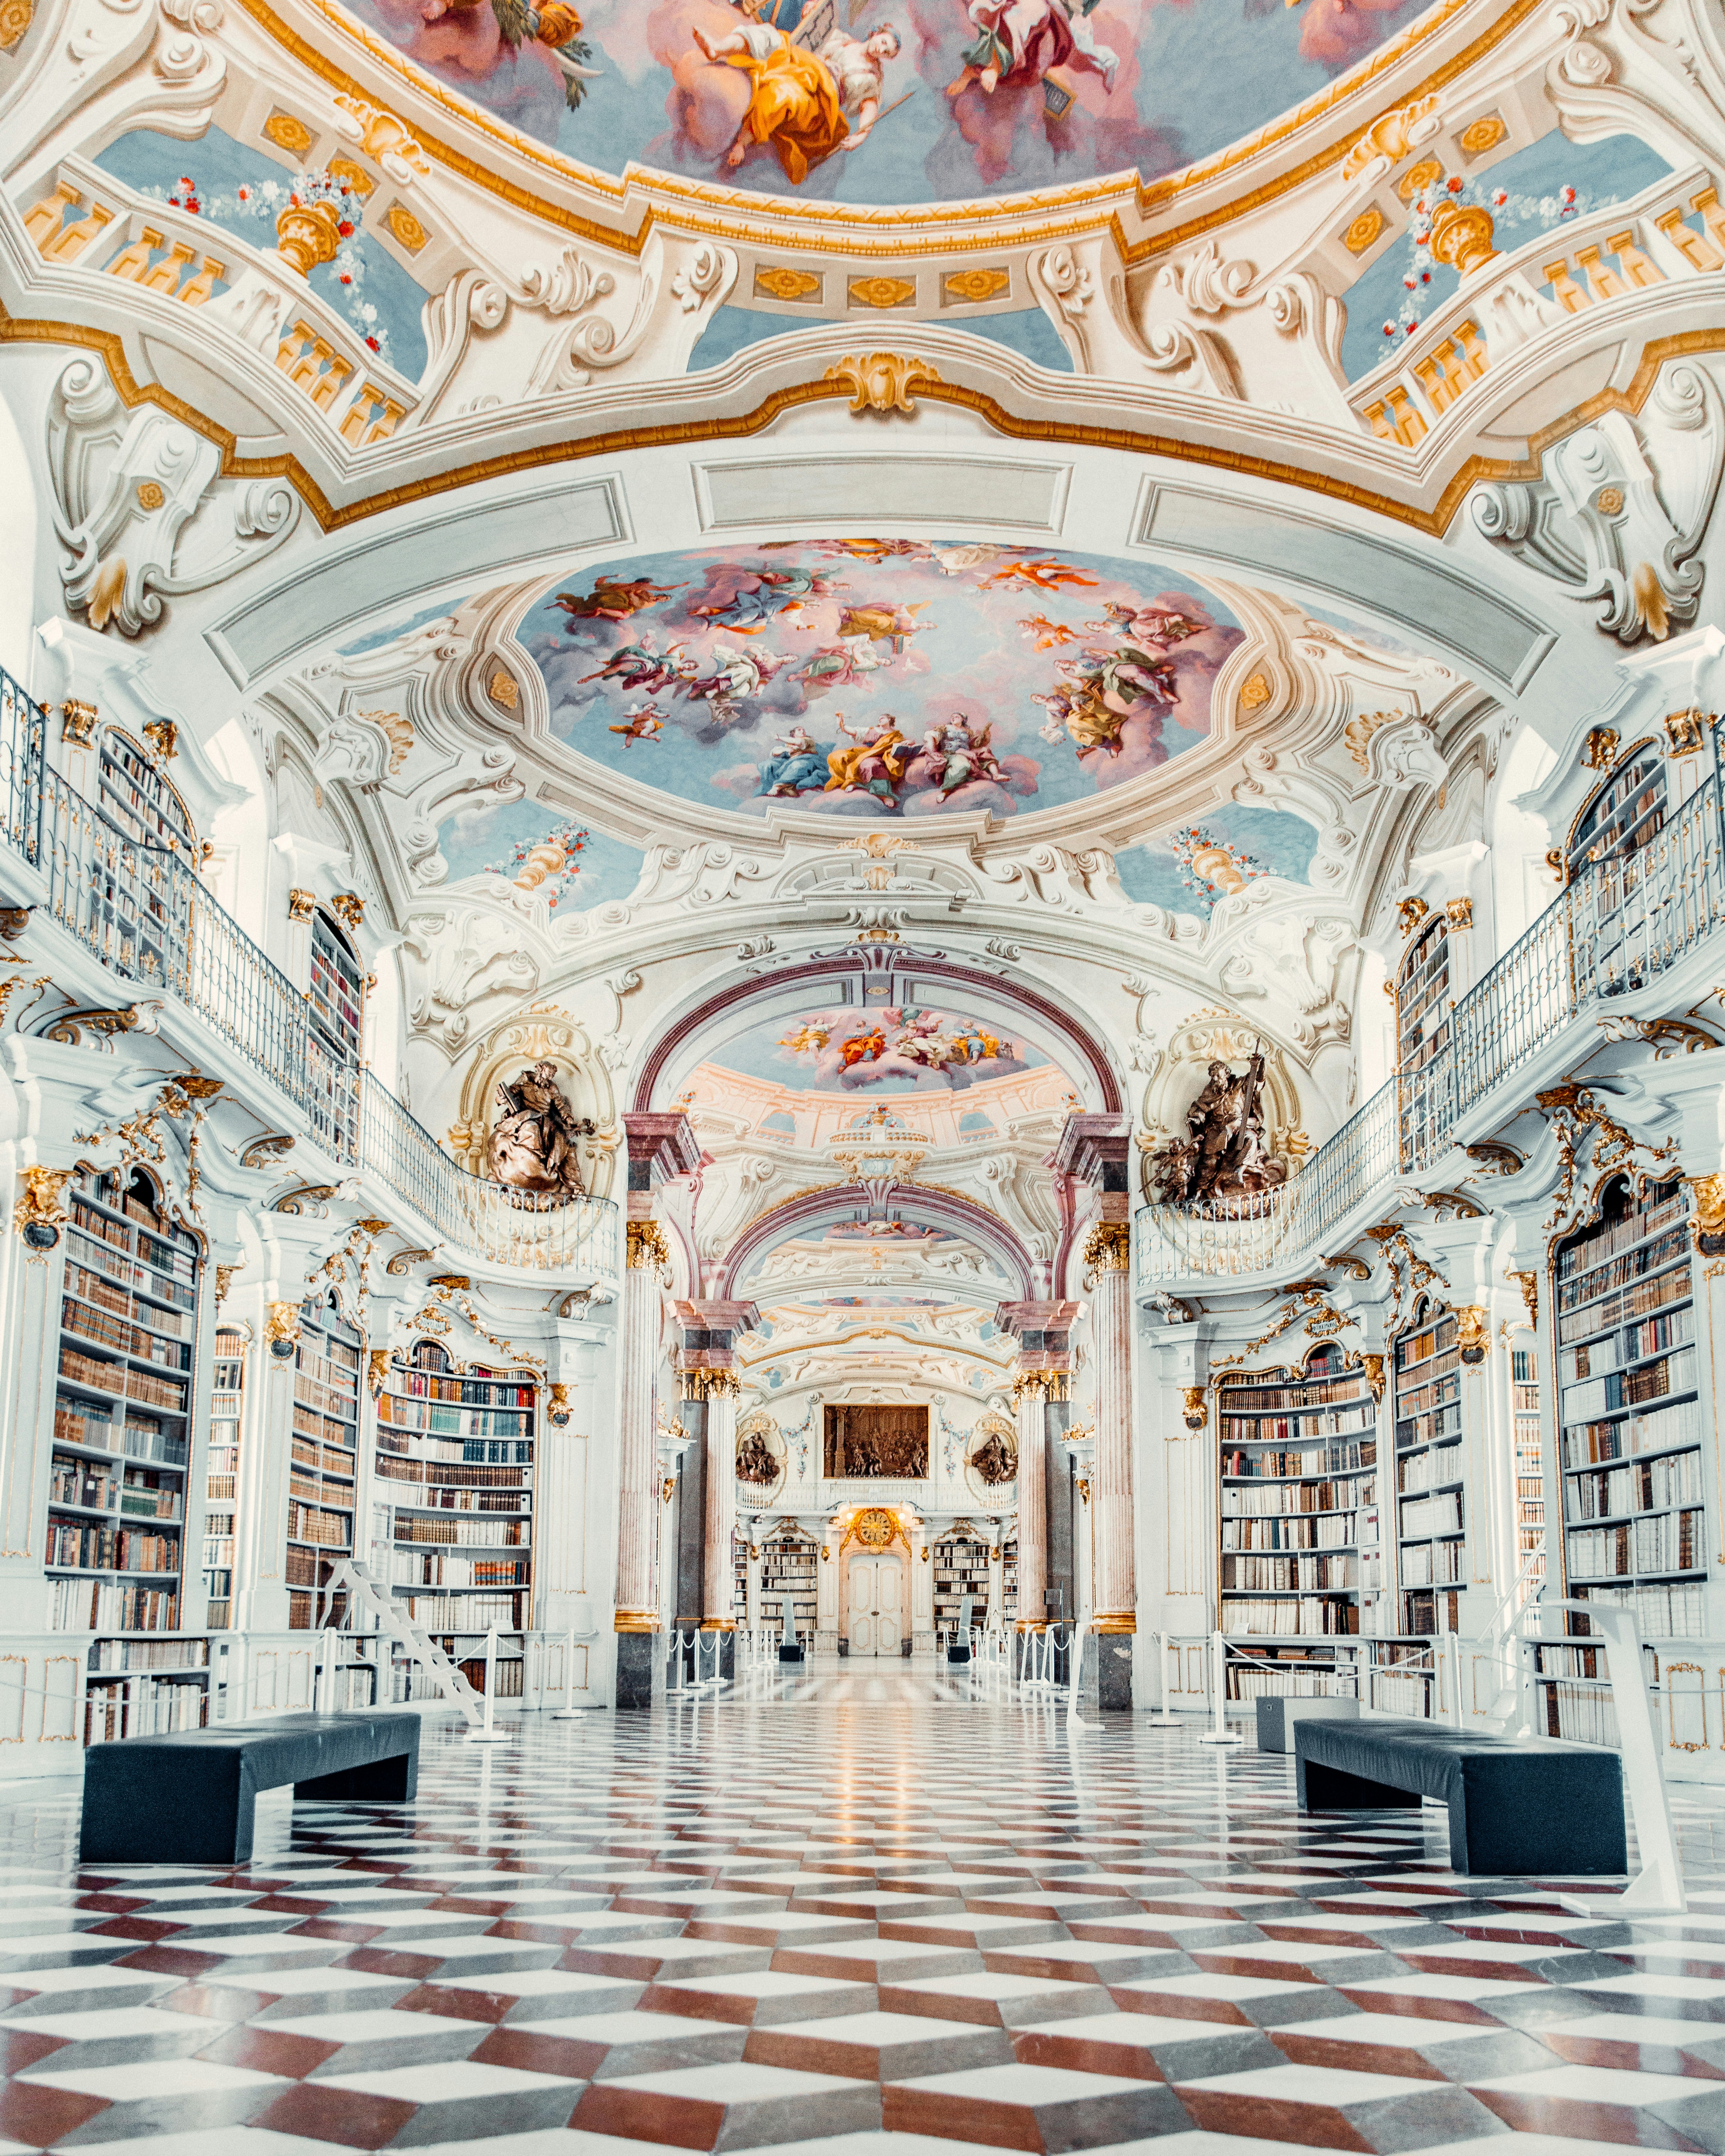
(144, 912)
(1617, 928)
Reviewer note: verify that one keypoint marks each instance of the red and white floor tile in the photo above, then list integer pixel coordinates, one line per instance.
(866, 1915)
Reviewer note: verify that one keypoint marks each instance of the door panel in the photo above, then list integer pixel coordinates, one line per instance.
(876, 1620)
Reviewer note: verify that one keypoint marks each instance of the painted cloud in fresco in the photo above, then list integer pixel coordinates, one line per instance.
(807, 97)
(879, 678)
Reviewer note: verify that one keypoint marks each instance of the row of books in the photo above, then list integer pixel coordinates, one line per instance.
(1665, 1542)
(465, 1614)
(93, 1287)
(464, 1392)
(1279, 1430)
(1439, 1514)
(1663, 1611)
(455, 1476)
(436, 1568)
(1327, 1459)
(1436, 1388)
(1267, 1399)
(120, 1380)
(1340, 1496)
(150, 1654)
(1425, 1470)
(1435, 1428)
(1583, 1259)
(1286, 1617)
(91, 1547)
(103, 1605)
(1649, 1485)
(1283, 1684)
(145, 1706)
(1629, 1389)
(107, 1330)
(1323, 1531)
(308, 1524)
(481, 1533)
(1433, 1564)
(1285, 1575)
(1637, 1300)
(1587, 1443)
(115, 1264)
(453, 1422)
(1629, 1344)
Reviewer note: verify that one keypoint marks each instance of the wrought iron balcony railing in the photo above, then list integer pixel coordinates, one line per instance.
(1618, 926)
(144, 912)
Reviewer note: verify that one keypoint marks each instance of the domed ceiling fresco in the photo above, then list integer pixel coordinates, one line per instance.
(880, 677)
(881, 1049)
(887, 101)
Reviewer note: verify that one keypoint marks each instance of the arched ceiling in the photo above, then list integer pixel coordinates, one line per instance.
(964, 102)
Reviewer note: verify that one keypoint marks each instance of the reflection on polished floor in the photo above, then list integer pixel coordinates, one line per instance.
(816, 1912)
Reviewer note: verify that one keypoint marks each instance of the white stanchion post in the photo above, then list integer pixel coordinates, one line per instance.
(1220, 1733)
(486, 1733)
(568, 1711)
(1456, 1714)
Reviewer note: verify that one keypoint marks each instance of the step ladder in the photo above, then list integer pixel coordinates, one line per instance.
(364, 1593)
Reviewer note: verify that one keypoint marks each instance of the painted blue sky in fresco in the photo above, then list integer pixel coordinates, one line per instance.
(1144, 84)
(883, 680)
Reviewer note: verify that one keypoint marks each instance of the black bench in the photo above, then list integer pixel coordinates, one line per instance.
(188, 1798)
(1516, 1804)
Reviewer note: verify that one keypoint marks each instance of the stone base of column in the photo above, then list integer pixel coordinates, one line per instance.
(829, 1643)
(1105, 1673)
(640, 1669)
(727, 1652)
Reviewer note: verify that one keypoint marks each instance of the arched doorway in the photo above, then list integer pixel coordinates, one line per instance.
(876, 1618)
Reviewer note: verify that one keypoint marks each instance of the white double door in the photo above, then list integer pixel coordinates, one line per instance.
(876, 1593)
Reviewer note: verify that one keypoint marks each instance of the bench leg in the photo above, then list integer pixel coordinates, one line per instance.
(1331, 1789)
(383, 1781)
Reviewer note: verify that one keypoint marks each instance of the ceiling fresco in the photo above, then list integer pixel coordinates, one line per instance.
(883, 1049)
(880, 677)
(887, 101)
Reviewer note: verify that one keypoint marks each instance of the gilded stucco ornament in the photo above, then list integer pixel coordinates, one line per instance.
(281, 1330)
(1472, 1335)
(1194, 1410)
(39, 1214)
(882, 381)
(647, 1250)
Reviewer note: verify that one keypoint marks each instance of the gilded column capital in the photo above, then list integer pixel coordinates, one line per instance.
(710, 1384)
(1040, 1384)
(301, 904)
(647, 1248)
(1108, 1248)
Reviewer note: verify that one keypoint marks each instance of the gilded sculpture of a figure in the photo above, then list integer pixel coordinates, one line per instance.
(533, 1144)
(995, 1461)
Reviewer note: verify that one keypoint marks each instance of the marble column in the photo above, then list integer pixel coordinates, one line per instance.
(637, 1455)
(718, 1572)
(660, 1148)
(919, 1589)
(1094, 1152)
(1115, 1607)
(1028, 1398)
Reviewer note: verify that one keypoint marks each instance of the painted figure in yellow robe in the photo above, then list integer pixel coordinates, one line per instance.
(806, 105)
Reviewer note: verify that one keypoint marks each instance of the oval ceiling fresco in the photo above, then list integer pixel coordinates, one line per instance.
(880, 677)
(887, 101)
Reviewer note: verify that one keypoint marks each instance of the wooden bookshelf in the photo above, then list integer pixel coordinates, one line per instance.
(1298, 1515)
(1635, 1515)
(1430, 1497)
(455, 1479)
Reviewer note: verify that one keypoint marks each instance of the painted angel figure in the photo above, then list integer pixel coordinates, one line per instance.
(958, 752)
(641, 723)
(1155, 627)
(805, 104)
(1018, 41)
(874, 764)
(835, 665)
(638, 666)
(734, 676)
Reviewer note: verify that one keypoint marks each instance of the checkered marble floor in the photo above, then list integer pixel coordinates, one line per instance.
(870, 1914)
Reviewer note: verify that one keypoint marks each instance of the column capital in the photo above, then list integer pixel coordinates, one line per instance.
(722, 1320)
(1094, 1149)
(1038, 1324)
(659, 1147)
